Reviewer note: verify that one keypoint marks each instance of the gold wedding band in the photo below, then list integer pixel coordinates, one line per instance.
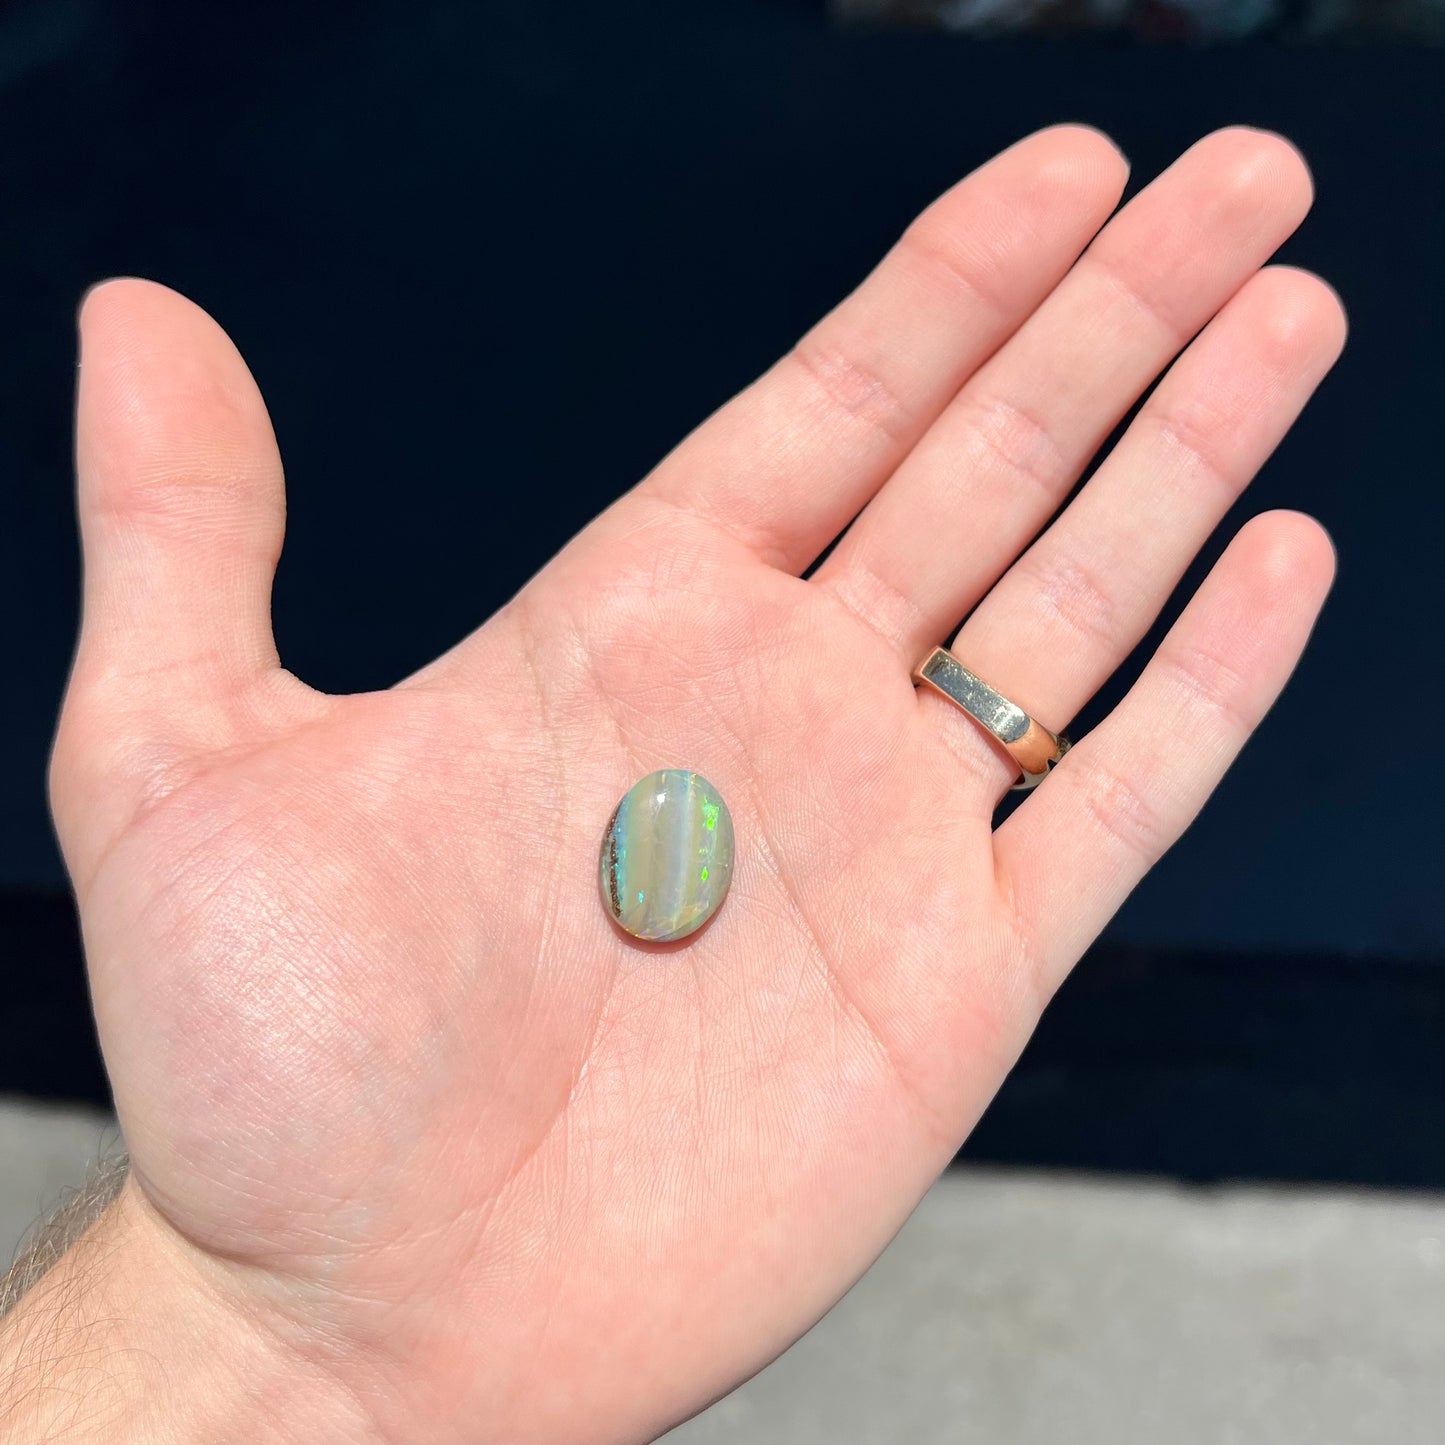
(1030, 744)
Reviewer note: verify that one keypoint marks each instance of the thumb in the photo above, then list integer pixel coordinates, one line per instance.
(181, 509)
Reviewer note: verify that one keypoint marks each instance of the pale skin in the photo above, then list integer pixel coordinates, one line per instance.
(424, 1149)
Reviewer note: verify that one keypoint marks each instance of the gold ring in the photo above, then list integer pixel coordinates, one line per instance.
(1030, 744)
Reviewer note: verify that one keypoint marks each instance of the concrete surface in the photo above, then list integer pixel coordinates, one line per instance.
(44, 1151)
(1021, 1309)
(1018, 1309)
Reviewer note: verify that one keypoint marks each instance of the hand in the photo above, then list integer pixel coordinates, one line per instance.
(405, 1109)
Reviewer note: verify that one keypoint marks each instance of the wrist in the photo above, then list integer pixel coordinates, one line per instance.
(134, 1335)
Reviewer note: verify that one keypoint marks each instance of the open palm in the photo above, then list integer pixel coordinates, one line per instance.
(388, 1073)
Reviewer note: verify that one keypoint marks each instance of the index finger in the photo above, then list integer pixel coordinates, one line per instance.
(792, 459)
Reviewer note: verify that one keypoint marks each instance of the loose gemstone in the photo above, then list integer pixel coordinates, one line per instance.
(667, 855)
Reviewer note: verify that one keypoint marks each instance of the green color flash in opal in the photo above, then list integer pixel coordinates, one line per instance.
(669, 844)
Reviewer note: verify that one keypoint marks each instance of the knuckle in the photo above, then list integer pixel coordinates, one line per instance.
(1188, 433)
(180, 489)
(1015, 438)
(848, 386)
(1144, 293)
(883, 606)
(201, 451)
(106, 768)
(1206, 679)
(1119, 804)
(939, 245)
(1069, 594)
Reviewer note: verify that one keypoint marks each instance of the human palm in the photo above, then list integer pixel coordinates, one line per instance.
(386, 1070)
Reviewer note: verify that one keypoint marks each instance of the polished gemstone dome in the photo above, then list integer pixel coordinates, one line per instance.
(667, 855)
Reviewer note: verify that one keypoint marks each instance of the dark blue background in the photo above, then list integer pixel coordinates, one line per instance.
(488, 262)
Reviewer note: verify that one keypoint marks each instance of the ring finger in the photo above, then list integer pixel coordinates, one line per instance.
(1059, 622)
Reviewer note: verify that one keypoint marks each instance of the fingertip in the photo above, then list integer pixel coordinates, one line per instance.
(1291, 556)
(1252, 164)
(1082, 134)
(1301, 315)
(119, 302)
(87, 297)
(1093, 137)
(1075, 154)
(101, 296)
(92, 300)
(1327, 302)
(1326, 294)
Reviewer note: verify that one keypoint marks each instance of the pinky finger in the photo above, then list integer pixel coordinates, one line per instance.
(1122, 797)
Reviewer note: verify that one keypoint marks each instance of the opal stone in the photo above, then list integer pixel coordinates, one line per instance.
(667, 855)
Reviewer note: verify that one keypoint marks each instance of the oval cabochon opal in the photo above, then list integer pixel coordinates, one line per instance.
(667, 855)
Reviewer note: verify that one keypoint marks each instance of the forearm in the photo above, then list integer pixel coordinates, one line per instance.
(123, 1338)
